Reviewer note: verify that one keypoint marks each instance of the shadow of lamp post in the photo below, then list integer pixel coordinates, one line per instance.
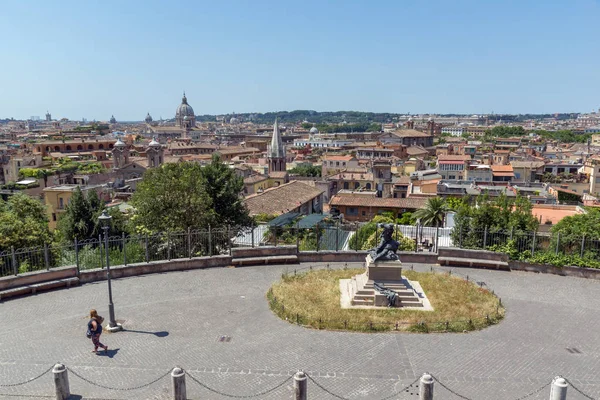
(105, 220)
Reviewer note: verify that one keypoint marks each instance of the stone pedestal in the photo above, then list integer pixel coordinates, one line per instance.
(361, 288)
(383, 271)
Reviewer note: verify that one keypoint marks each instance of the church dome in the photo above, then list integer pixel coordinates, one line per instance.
(119, 143)
(314, 130)
(184, 109)
(148, 118)
(154, 143)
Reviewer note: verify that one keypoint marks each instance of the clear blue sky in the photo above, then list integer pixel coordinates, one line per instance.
(96, 58)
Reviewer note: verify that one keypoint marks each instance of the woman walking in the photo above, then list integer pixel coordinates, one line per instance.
(95, 329)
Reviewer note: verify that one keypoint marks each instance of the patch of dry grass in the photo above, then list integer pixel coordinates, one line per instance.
(313, 299)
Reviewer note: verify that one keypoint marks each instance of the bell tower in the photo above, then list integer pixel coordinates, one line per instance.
(120, 154)
(155, 154)
(276, 151)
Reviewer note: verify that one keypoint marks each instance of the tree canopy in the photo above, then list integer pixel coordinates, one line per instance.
(224, 189)
(306, 170)
(574, 227)
(80, 219)
(498, 214)
(434, 212)
(187, 195)
(23, 223)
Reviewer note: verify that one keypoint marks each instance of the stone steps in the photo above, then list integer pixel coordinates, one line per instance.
(361, 302)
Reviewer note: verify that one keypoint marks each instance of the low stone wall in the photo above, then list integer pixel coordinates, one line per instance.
(30, 278)
(418, 258)
(123, 271)
(263, 251)
(578, 272)
(477, 254)
(359, 256)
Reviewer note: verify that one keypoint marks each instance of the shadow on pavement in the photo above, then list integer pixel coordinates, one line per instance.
(110, 353)
(157, 334)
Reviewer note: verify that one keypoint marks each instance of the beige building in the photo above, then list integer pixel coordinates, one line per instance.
(58, 197)
(336, 164)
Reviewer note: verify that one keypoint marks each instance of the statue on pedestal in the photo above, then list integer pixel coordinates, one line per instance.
(386, 251)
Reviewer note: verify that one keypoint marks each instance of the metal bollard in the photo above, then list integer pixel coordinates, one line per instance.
(178, 379)
(300, 385)
(61, 382)
(558, 390)
(426, 387)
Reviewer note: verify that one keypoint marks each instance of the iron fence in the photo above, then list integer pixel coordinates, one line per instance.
(129, 249)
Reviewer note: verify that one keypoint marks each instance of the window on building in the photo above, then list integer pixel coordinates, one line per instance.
(53, 217)
(352, 211)
(61, 203)
(337, 163)
(364, 213)
(346, 185)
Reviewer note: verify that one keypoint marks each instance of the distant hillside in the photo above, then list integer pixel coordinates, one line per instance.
(359, 117)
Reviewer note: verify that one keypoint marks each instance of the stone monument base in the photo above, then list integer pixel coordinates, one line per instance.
(360, 292)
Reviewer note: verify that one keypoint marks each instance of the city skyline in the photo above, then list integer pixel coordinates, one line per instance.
(126, 60)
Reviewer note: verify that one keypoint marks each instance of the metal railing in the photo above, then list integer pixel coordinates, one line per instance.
(129, 249)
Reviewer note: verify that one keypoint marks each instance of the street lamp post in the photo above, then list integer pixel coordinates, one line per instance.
(105, 222)
(417, 235)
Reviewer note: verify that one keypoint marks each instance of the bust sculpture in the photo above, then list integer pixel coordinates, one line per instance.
(386, 251)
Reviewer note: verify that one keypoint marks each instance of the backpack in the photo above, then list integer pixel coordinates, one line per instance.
(88, 333)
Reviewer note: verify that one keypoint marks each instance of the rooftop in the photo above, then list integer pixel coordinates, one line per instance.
(281, 199)
(368, 199)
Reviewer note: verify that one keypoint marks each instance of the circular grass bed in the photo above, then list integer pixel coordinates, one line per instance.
(312, 299)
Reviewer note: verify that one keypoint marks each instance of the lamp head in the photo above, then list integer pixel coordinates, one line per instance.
(104, 218)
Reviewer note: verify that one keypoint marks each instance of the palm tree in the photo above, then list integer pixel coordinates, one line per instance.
(44, 173)
(434, 212)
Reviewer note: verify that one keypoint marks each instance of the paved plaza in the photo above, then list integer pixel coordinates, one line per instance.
(552, 327)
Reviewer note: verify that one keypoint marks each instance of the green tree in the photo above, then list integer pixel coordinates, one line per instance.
(306, 170)
(44, 174)
(407, 218)
(224, 189)
(570, 230)
(23, 223)
(434, 212)
(78, 218)
(499, 215)
(171, 198)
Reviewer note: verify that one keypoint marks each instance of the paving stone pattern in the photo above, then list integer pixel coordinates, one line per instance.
(176, 319)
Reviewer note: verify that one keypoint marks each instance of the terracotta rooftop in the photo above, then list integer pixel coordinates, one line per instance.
(278, 174)
(502, 168)
(255, 179)
(338, 158)
(554, 213)
(416, 150)
(450, 157)
(281, 199)
(369, 200)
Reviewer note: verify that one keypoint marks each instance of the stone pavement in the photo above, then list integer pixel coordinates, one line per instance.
(176, 318)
